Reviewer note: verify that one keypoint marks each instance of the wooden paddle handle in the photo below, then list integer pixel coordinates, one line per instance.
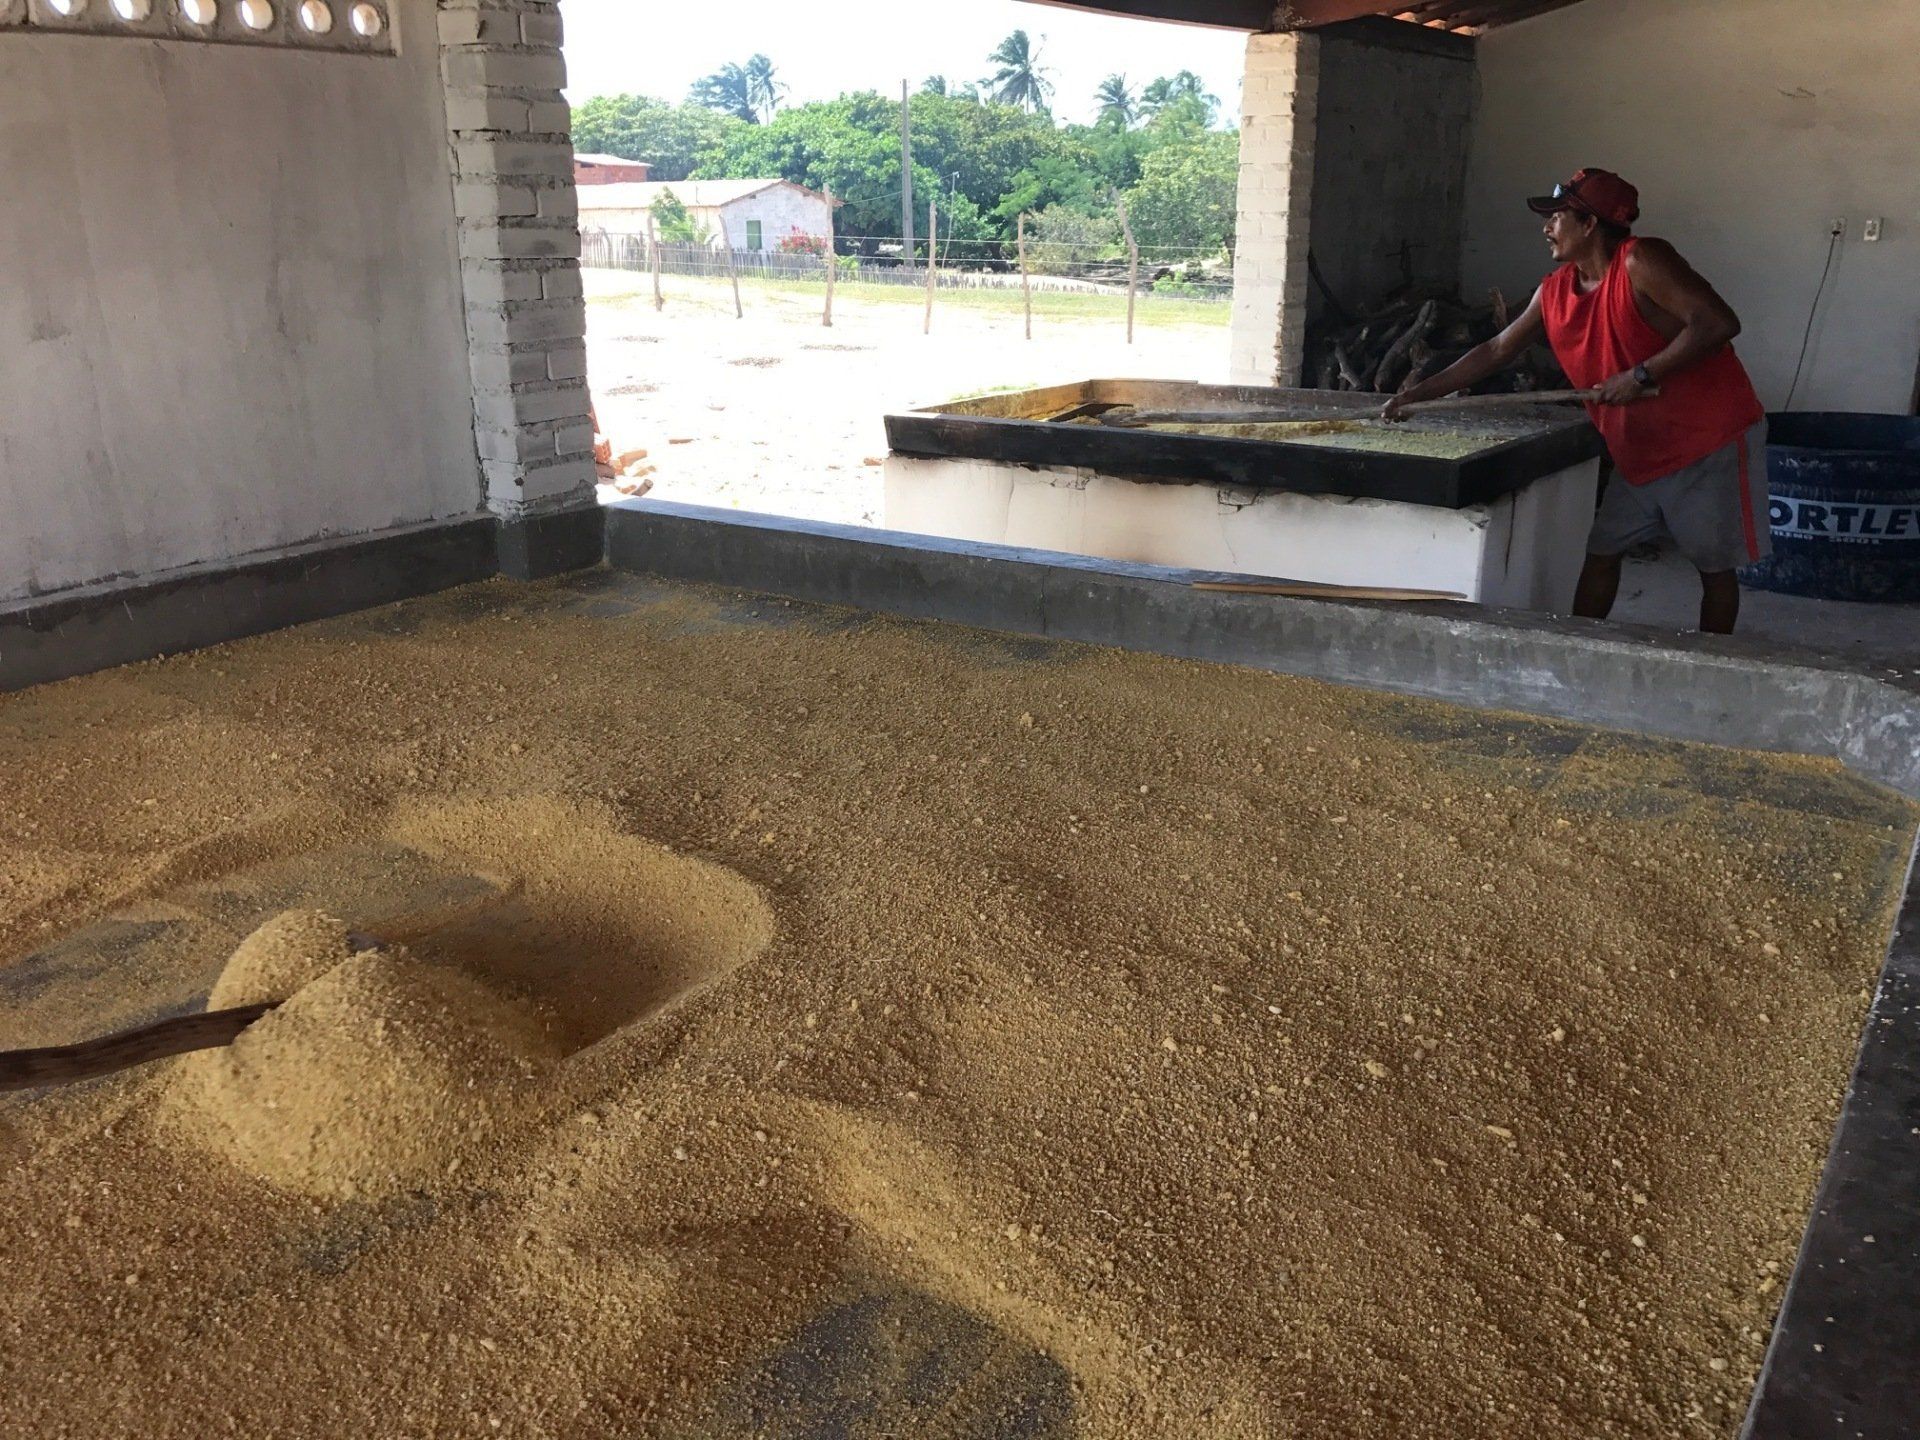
(64, 1064)
(1125, 418)
(1517, 397)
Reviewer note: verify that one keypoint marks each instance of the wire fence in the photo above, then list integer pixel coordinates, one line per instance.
(1190, 274)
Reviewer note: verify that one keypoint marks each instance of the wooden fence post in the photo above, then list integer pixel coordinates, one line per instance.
(1133, 261)
(1026, 281)
(726, 248)
(833, 263)
(933, 234)
(653, 256)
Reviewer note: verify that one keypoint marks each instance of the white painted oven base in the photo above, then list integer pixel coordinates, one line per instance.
(1523, 551)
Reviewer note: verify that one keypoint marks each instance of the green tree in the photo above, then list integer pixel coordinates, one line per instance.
(1117, 100)
(728, 90)
(984, 162)
(935, 85)
(1187, 193)
(1064, 238)
(674, 139)
(852, 144)
(1114, 154)
(675, 224)
(749, 92)
(1019, 78)
(1184, 87)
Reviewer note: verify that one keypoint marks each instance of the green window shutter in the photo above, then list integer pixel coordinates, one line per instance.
(753, 234)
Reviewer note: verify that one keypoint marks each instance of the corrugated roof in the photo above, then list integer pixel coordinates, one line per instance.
(694, 194)
(607, 160)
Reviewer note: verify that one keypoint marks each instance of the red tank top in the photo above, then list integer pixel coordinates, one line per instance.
(1601, 334)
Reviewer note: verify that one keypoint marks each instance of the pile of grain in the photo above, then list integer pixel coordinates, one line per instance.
(1187, 1051)
(377, 1074)
(288, 952)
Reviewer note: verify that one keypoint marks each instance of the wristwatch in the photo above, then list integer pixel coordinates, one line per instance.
(1643, 375)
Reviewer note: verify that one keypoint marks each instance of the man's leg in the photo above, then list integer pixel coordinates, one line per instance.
(1600, 586)
(1717, 511)
(1719, 601)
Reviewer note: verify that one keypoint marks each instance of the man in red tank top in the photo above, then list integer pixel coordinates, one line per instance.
(1630, 320)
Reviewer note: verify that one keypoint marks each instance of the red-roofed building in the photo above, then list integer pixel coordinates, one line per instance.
(608, 170)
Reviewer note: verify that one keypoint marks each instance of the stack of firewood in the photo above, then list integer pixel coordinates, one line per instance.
(1407, 340)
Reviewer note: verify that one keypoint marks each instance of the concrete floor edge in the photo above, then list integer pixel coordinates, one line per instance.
(1705, 688)
(1840, 1359)
(56, 637)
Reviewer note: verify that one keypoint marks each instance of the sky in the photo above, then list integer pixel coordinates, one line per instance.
(820, 51)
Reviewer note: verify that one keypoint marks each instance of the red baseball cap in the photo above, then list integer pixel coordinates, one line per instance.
(1599, 193)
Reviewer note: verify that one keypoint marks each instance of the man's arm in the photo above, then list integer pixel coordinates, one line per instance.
(1668, 283)
(1489, 358)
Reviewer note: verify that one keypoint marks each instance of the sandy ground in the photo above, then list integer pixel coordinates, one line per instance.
(782, 415)
(899, 1030)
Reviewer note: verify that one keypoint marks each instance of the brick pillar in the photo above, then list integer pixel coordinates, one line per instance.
(1276, 189)
(519, 257)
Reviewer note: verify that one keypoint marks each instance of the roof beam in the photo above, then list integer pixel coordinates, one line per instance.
(1302, 14)
(1219, 14)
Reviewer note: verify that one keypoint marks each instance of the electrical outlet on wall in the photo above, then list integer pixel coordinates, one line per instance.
(1873, 230)
(1837, 227)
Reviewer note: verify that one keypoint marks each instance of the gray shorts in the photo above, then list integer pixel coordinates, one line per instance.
(1715, 510)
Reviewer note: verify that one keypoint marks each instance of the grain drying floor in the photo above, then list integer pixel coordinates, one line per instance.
(898, 1030)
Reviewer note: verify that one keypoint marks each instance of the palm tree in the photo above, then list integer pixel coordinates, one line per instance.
(936, 85)
(750, 91)
(763, 89)
(1172, 89)
(1019, 80)
(728, 90)
(1116, 99)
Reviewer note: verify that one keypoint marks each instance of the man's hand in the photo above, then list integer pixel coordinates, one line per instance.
(1486, 358)
(1391, 411)
(1622, 389)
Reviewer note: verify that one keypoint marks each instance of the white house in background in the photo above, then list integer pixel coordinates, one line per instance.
(750, 214)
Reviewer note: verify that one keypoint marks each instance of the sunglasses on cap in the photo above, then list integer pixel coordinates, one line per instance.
(1567, 197)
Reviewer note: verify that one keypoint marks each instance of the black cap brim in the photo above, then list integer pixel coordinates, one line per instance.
(1547, 204)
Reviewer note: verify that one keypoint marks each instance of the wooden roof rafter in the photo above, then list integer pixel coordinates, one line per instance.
(1457, 16)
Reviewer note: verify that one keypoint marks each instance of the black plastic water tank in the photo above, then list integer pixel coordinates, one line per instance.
(1845, 506)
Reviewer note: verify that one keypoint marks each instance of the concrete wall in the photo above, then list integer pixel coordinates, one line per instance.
(1391, 135)
(1747, 125)
(232, 314)
(1523, 551)
(779, 211)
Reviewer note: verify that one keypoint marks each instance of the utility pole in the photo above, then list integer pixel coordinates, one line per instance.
(906, 180)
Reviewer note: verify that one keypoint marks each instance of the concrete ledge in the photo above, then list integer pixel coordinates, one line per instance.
(1692, 687)
(1841, 1358)
(78, 632)
(533, 547)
